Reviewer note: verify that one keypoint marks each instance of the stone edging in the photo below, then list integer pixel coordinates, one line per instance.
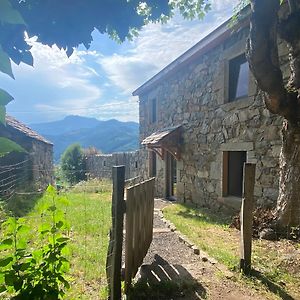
(203, 255)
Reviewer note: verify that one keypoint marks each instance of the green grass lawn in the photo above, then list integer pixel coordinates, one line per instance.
(278, 262)
(88, 213)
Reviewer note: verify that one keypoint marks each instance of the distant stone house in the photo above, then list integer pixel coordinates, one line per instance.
(202, 117)
(32, 168)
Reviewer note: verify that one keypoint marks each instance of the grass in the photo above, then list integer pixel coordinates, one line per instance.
(88, 213)
(276, 264)
(208, 230)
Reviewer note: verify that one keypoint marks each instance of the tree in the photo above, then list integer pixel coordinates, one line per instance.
(68, 24)
(73, 164)
(280, 98)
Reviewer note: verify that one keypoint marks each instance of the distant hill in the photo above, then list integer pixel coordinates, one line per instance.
(108, 136)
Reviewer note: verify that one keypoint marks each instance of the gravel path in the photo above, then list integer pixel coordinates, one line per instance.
(171, 259)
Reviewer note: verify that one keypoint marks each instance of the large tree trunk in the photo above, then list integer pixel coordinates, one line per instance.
(288, 204)
(281, 99)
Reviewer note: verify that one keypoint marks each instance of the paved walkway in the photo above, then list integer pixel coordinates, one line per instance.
(170, 259)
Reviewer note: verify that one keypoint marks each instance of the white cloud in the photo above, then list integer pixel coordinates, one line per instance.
(158, 45)
(56, 84)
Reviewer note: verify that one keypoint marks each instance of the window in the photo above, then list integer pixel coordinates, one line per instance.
(152, 111)
(238, 78)
(136, 164)
(152, 164)
(233, 164)
(104, 163)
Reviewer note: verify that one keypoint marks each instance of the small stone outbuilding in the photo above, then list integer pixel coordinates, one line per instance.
(202, 117)
(32, 169)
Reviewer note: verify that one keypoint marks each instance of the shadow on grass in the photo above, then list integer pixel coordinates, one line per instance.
(21, 203)
(273, 287)
(205, 215)
(162, 281)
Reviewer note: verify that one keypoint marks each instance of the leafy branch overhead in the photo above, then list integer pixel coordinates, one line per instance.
(71, 23)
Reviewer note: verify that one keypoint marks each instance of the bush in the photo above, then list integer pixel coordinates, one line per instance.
(38, 273)
(73, 164)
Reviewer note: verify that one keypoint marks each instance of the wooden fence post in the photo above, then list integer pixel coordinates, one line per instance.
(246, 217)
(114, 256)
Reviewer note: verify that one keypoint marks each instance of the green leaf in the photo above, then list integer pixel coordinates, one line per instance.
(2, 114)
(62, 239)
(2, 288)
(5, 244)
(24, 266)
(7, 146)
(5, 97)
(52, 208)
(51, 190)
(59, 224)
(5, 261)
(9, 15)
(5, 63)
(9, 279)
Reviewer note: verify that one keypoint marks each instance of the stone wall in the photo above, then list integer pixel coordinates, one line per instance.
(100, 165)
(35, 166)
(41, 155)
(196, 98)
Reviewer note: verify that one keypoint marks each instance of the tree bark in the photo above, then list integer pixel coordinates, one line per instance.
(288, 203)
(281, 99)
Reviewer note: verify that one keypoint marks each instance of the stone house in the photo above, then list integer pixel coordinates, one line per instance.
(202, 117)
(27, 169)
(100, 165)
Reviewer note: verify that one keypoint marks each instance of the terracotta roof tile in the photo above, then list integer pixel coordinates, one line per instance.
(14, 123)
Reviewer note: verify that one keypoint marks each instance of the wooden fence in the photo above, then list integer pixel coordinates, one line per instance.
(139, 226)
(139, 209)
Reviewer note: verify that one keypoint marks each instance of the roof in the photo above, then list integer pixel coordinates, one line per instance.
(158, 136)
(17, 125)
(207, 43)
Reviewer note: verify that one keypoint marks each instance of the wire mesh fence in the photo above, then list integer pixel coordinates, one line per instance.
(86, 208)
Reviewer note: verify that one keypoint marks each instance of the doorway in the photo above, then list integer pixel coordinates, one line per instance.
(171, 176)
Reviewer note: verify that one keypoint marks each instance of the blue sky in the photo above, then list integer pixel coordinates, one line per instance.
(98, 82)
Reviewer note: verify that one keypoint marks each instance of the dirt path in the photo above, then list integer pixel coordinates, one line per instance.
(169, 259)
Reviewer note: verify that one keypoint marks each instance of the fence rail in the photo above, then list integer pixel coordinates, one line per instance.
(139, 226)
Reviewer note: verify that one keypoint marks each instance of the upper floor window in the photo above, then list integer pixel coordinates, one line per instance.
(238, 78)
(152, 111)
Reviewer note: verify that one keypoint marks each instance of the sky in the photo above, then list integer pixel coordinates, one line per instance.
(99, 82)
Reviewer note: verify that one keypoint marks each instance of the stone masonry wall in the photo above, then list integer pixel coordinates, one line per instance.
(100, 165)
(196, 97)
(41, 156)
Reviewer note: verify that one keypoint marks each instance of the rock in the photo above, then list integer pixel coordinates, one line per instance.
(268, 234)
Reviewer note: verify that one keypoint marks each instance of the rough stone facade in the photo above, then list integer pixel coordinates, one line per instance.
(100, 165)
(32, 169)
(195, 96)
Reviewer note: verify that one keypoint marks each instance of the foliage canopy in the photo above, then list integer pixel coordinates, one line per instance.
(73, 164)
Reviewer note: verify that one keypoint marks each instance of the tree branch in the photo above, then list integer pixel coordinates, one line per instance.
(262, 54)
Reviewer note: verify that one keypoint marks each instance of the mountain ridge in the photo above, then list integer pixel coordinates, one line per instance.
(89, 132)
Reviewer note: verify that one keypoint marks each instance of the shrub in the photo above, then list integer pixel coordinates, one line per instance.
(73, 164)
(36, 273)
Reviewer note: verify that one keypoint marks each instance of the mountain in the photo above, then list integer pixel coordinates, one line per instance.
(107, 136)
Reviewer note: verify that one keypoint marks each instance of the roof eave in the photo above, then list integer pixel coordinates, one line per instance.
(207, 43)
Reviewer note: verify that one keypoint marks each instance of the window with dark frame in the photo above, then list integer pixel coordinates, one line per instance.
(233, 164)
(153, 111)
(152, 164)
(238, 78)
